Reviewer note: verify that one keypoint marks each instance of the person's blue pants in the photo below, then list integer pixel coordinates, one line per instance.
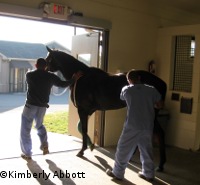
(32, 113)
(127, 144)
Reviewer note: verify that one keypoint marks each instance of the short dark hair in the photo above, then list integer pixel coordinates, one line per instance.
(133, 75)
(41, 63)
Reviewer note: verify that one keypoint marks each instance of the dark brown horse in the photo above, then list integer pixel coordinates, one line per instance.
(98, 90)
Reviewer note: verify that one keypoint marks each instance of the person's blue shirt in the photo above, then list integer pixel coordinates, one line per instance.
(140, 100)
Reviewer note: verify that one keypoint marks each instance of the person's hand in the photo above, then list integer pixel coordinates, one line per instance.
(77, 75)
(159, 105)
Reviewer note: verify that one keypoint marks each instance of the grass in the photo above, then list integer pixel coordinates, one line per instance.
(57, 122)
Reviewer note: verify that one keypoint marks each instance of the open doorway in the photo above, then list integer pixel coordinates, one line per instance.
(21, 45)
(30, 35)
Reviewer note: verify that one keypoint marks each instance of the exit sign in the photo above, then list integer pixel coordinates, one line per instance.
(56, 11)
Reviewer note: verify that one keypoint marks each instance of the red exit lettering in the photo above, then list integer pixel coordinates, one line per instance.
(59, 9)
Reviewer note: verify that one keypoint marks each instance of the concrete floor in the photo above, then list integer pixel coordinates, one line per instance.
(64, 168)
(182, 167)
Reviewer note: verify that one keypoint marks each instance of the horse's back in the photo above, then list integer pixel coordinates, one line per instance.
(151, 79)
(101, 91)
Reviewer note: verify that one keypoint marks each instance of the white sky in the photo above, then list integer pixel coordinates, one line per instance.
(13, 29)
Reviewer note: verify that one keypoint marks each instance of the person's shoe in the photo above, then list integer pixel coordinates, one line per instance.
(25, 157)
(110, 173)
(45, 150)
(141, 175)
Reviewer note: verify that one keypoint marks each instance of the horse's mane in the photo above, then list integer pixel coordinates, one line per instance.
(70, 59)
(62, 57)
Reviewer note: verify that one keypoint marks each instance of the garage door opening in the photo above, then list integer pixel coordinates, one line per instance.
(23, 41)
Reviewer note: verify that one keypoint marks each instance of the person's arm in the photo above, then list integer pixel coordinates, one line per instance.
(123, 91)
(159, 104)
(60, 83)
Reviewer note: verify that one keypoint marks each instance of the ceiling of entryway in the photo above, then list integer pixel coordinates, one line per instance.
(192, 6)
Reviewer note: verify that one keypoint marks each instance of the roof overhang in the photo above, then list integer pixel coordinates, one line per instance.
(20, 64)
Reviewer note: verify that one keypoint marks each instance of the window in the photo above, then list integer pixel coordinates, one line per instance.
(184, 54)
(192, 48)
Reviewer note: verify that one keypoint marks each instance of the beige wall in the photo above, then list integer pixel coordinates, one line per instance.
(132, 44)
(183, 129)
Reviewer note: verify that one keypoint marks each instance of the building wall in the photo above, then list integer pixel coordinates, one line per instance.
(183, 129)
(4, 75)
(134, 37)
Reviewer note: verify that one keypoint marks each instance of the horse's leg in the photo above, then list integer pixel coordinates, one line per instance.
(159, 133)
(84, 122)
(89, 142)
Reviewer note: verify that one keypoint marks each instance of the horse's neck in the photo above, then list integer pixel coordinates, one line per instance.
(69, 70)
(66, 74)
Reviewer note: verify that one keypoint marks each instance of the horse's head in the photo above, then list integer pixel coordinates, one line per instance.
(51, 61)
(60, 61)
(64, 62)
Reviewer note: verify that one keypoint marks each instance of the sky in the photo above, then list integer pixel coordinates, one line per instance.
(21, 30)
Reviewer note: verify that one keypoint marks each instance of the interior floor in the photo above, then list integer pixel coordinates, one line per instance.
(182, 166)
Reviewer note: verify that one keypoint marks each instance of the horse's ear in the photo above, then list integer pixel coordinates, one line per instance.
(48, 49)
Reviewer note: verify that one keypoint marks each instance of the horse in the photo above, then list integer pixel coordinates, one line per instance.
(99, 90)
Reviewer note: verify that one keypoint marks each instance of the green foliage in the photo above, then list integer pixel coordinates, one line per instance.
(57, 122)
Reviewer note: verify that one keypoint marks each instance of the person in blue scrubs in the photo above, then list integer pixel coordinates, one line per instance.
(141, 99)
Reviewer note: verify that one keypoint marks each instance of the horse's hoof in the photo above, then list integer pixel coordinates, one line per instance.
(92, 146)
(80, 154)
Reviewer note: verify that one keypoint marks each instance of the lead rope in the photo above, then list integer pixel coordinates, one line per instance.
(74, 92)
(60, 94)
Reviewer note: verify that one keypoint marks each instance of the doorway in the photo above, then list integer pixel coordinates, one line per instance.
(17, 80)
(95, 57)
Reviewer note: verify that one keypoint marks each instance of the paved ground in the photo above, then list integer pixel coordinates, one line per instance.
(63, 166)
(11, 106)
